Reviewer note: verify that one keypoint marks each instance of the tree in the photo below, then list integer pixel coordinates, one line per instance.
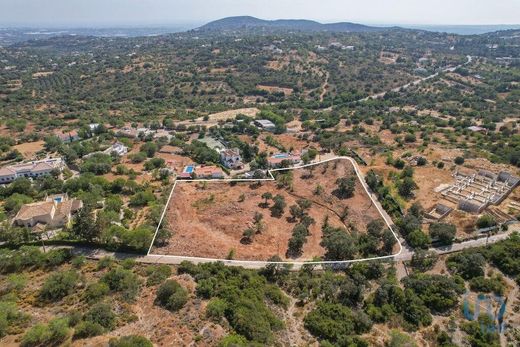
(423, 260)
(406, 187)
(375, 228)
(444, 232)
(267, 196)
(338, 244)
(418, 239)
(278, 207)
(84, 226)
(345, 187)
(459, 160)
(389, 241)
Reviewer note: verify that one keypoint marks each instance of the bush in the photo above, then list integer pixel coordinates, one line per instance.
(486, 221)
(157, 274)
(98, 164)
(101, 314)
(335, 322)
(45, 335)
(142, 198)
(234, 340)
(459, 160)
(78, 261)
(216, 309)
(171, 295)
(444, 232)
(58, 285)
(87, 329)
(487, 285)
(122, 281)
(96, 291)
(130, 341)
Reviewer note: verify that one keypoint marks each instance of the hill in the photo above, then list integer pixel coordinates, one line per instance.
(247, 22)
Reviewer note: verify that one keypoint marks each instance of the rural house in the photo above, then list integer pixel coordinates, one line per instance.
(231, 158)
(55, 212)
(31, 169)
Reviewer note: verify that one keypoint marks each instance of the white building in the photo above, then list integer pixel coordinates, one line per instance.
(118, 148)
(265, 124)
(231, 158)
(33, 169)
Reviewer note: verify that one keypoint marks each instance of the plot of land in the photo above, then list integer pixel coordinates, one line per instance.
(29, 149)
(208, 219)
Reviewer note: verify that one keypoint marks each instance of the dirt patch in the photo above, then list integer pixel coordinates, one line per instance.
(29, 149)
(208, 219)
(274, 89)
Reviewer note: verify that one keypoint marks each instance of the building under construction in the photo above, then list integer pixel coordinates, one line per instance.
(474, 192)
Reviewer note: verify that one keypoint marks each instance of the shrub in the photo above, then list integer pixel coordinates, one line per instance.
(78, 262)
(122, 281)
(58, 285)
(157, 274)
(216, 309)
(335, 322)
(87, 329)
(103, 315)
(234, 340)
(171, 295)
(96, 291)
(486, 221)
(130, 341)
(45, 335)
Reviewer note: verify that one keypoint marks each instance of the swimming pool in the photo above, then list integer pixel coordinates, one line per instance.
(58, 199)
(189, 169)
(281, 155)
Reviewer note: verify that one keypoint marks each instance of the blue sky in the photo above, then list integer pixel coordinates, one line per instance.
(173, 12)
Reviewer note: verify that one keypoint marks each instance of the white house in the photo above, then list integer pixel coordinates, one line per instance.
(231, 158)
(118, 148)
(33, 169)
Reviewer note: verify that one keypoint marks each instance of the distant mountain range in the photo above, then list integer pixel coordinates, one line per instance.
(247, 22)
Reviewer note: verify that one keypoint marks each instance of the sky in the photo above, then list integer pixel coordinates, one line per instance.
(88, 13)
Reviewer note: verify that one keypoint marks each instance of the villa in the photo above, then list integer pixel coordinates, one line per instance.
(231, 158)
(209, 171)
(33, 169)
(68, 137)
(118, 148)
(277, 160)
(55, 212)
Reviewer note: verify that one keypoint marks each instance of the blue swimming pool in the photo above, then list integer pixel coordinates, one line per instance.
(281, 155)
(189, 169)
(58, 199)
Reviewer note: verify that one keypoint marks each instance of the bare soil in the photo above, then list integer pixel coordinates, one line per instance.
(208, 219)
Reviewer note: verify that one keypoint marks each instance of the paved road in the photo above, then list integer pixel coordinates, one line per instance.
(457, 247)
(175, 260)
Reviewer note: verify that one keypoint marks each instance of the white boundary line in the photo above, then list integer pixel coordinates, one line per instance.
(260, 263)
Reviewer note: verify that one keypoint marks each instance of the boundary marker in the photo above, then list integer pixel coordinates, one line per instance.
(261, 263)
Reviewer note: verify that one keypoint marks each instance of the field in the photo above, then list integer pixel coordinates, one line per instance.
(208, 219)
